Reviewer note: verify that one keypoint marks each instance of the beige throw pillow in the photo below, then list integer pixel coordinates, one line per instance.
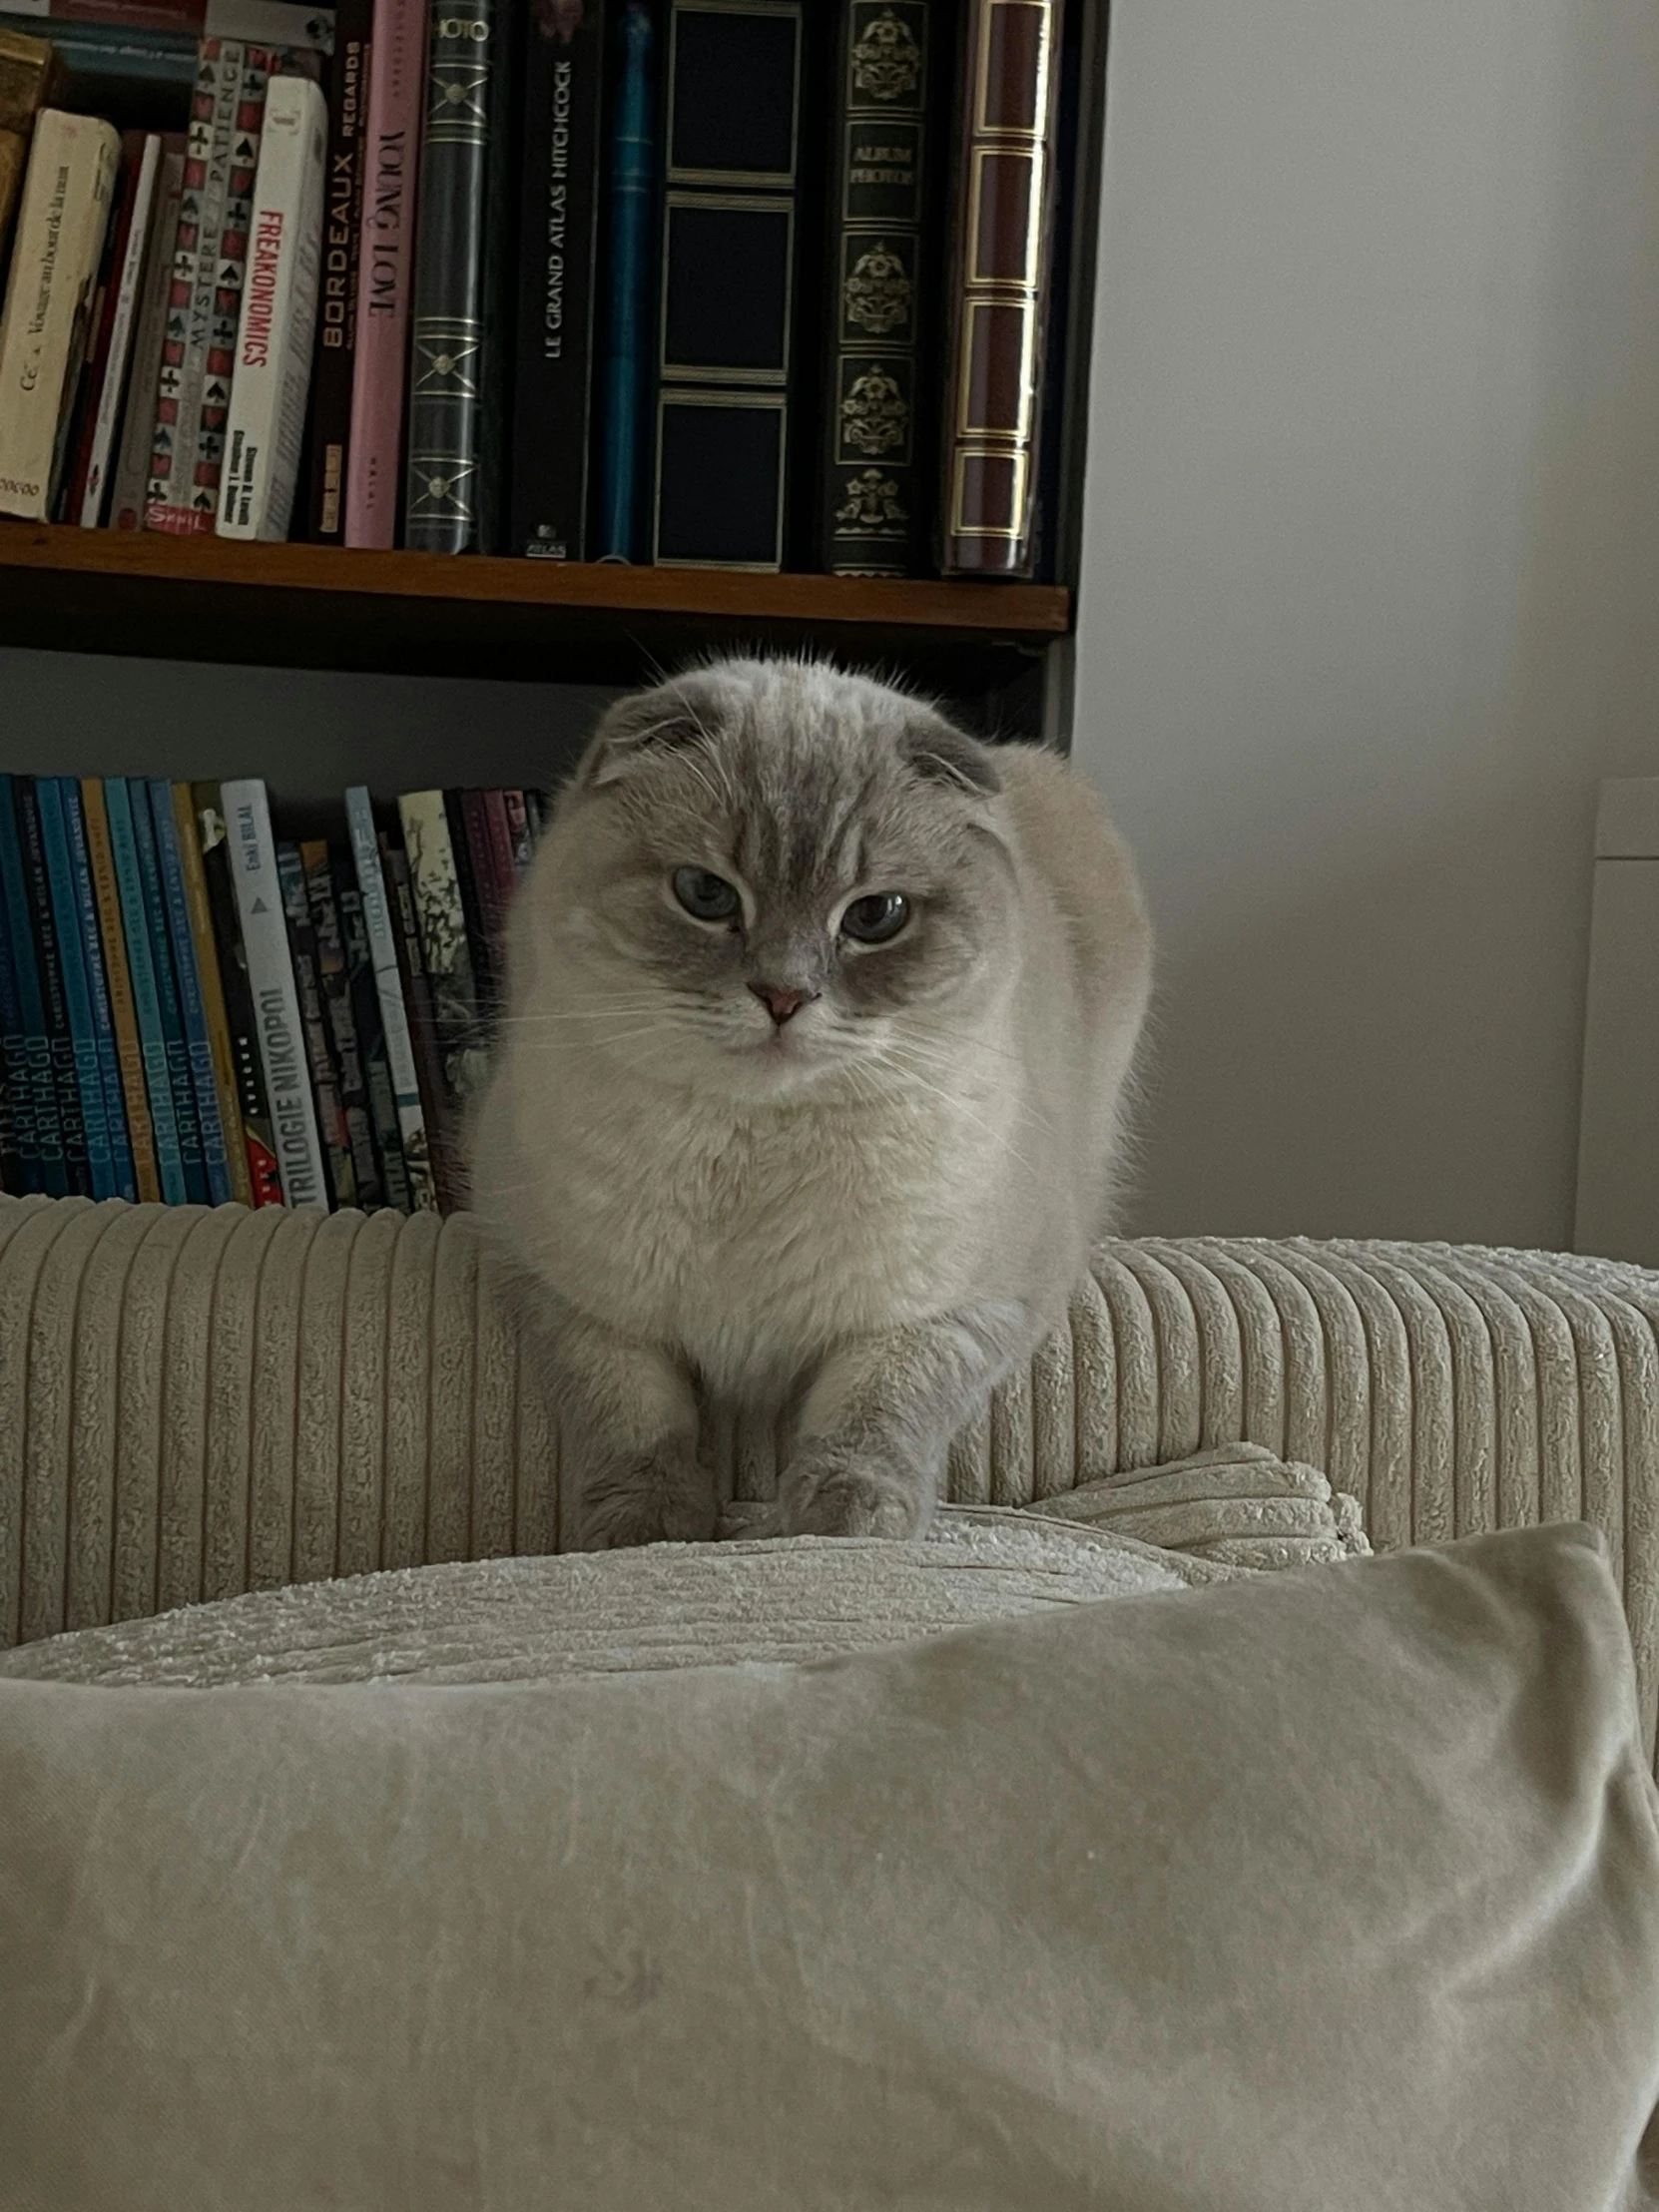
(1323, 1891)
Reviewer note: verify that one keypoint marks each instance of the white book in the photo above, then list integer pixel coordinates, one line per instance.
(272, 376)
(126, 282)
(388, 984)
(264, 939)
(53, 271)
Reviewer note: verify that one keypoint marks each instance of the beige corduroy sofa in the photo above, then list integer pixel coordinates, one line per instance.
(195, 1402)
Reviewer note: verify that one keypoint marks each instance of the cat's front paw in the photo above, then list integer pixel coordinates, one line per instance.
(829, 1491)
(660, 1497)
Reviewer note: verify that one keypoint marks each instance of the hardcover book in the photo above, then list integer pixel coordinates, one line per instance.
(386, 273)
(1000, 259)
(423, 1037)
(564, 55)
(204, 937)
(169, 998)
(337, 316)
(242, 1020)
(631, 166)
(130, 485)
(60, 1036)
(730, 275)
(128, 1052)
(395, 1021)
(336, 982)
(455, 373)
(266, 421)
(193, 1009)
(72, 967)
(110, 364)
(331, 1112)
(265, 938)
(99, 998)
(140, 966)
(441, 920)
(28, 1047)
(49, 302)
(371, 1038)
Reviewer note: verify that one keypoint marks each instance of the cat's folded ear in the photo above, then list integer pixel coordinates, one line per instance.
(633, 732)
(940, 754)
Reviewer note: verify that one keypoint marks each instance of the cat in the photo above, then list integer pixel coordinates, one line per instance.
(809, 1090)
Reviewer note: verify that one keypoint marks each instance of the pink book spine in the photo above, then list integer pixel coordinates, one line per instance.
(396, 100)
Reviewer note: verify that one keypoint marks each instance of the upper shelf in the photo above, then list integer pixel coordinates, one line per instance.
(308, 606)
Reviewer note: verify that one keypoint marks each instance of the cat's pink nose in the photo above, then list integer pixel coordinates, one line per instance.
(780, 1005)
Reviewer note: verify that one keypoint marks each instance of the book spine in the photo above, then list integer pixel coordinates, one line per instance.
(520, 842)
(444, 477)
(275, 1000)
(372, 1041)
(265, 423)
(631, 168)
(79, 422)
(472, 906)
(123, 1168)
(386, 273)
(198, 912)
(330, 1114)
(20, 1159)
(877, 472)
(28, 74)
(140, 966)
(564, 57)
(129, 480)
(209, 260)
(405, 1083)
(448, 957)
(129, 1053)
(54, 259)
(60, 1037)
(336, 320)
(1000, 255)
(335, 985)
(193, 1012)
(487, 885)
(33, 1044)
(168, 1001)
(442, 1135)
(118, 349)
(72, 964)
(254, 1108)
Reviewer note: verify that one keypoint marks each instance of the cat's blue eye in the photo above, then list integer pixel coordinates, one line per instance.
(874, 919)
(709, 898)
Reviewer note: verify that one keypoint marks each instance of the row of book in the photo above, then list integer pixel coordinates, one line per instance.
(566, 278)
(195, 1011)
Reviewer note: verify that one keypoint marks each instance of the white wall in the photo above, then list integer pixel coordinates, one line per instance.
(1370, 594)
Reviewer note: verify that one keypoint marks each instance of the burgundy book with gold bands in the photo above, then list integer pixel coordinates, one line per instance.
(1000, 274)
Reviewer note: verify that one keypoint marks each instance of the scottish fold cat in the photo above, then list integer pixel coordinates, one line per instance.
(809, 1091)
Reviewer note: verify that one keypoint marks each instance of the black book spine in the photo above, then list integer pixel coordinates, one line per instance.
(371, 1036)
(337, 298)
(472, 910)
(49, 962)
(342, 1024)
(564, 54)
(453, 380)
(423, 1037)
(257, 1136)
(307, 984)
(883, 270)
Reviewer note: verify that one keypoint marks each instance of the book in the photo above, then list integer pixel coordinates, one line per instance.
(254, 1107)
(141, 966)
(100, 1004)
(876, 462)
(488, 888)
(273, 22)
(72, 963)
(135, 1096)
(169, 997)
(276, 1002)
(386, 273)
(451, 488)
(372, 1037)
(266, 421)
(461, 844)
(55, 258)
(442, 1135)
(561, 77)
(335, 983)
(406, 1082)
(28, 82)
(205, 300)
(999, 261)
(188, 840)
(330, 1113)
(60, 1039)
(441, 921)
(521, 843)
(729, 279)
(116, 337)
(193, 1009)
(630, 176)
(80, 405)
(19, 1153)
(28, 1047)
(130, 481)
(336, 313)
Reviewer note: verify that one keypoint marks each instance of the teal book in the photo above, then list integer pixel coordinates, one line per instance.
(98, 992)
(631, 175)
(145, 999)
(167, 997)
(54, 999)
(193, 1012)
(72, 960)
(29, 1046)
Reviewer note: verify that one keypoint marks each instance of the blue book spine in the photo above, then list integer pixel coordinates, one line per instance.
(27, 1050)
(167, 997)
(98, 992)
(631, 180)
(192, 1009)
(142, 968)
(71, 956)
(20, 1163)
(54, 998)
